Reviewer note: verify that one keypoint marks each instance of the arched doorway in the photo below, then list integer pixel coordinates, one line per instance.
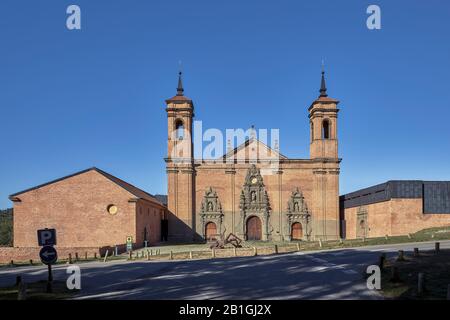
(210, 231)
(296, 231)
(254, 228)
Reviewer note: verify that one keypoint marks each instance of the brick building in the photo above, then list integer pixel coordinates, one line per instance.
(253, 190)
(395, 208)
(90, 208)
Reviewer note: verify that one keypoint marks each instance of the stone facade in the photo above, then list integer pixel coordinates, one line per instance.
(88, 209)
(254, 180)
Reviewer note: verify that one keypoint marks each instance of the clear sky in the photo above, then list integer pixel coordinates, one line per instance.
(70, 100)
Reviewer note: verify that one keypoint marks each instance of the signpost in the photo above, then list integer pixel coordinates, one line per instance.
(48, 254)
(129, 243)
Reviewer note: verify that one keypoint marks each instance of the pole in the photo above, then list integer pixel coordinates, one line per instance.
(50, 279)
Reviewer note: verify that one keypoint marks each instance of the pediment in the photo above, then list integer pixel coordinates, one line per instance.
(253, 149)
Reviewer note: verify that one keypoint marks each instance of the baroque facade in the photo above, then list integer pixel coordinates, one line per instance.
(253, 191)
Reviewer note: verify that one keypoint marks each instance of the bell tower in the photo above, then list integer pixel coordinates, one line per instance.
(323, 121)
(324, 155)
(180, 166)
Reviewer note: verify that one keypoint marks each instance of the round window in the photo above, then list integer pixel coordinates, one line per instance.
(112, 209)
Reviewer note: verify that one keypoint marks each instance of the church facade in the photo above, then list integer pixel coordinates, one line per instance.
(244, 194)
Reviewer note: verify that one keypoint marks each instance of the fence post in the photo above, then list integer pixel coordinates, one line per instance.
(298, 246)
(234, 251)
(22, 291)
(190, 254)
(95, 255)
(416, 252)
(394, 274)
(320, 242)
(171, 255)
(437, 247)
(381, 261)
(106, 256)
(275, 248)
(70, 258)
(76, 256)
(85, 256)
(31, 261)
(213, 253)
(255, 251)
(420, 283)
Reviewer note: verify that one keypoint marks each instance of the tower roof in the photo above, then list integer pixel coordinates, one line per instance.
(179, 97)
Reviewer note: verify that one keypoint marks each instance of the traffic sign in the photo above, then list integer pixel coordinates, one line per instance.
(46, 237)
(129, 243)
(48, 255)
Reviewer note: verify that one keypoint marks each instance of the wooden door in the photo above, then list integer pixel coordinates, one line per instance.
(254, 228)
(296, 231)
(210, 231)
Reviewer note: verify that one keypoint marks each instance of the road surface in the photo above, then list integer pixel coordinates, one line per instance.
(333, 274)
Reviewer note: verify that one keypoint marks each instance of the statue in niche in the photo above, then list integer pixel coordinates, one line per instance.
(253, 196)
(210, 206)
(296, 207)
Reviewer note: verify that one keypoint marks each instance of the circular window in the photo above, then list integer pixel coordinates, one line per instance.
(112, 209)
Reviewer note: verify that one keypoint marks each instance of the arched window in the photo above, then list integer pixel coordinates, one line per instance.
(179, 127)
(326, 128)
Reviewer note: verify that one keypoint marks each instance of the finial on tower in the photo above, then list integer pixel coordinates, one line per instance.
(323, 87)
(180, 85)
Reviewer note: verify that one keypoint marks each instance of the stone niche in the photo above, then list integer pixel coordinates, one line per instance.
(211, 211)
(298, 218)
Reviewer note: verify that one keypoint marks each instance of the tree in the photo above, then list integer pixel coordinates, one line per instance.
(6, 227)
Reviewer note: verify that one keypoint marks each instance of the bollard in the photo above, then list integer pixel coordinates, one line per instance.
(18, 280)
(22, 292)
(276, 249)
(171, 255)
(106, 256)
(235, 252)
(255, 251)
(400, 255)
(394, 274)
(95, 255)
(85, 256)
(416, 252)
(298, 246)
(341, 241)
(12, 262)
(76, 256)
(320, 243)
(448, 292)
(148, 255)
(130, 255)
(420, 283)
(31, 261)
(213, 253)
(151, 252)
(386, 237)
(70, 258)
(190, 254)
(437, 247)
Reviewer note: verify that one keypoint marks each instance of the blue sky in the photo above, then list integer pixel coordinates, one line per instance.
(70, 100)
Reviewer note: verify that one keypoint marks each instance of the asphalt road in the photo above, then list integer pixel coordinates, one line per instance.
(334, 274)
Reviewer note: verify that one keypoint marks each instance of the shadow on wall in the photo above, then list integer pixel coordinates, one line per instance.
(180, 232)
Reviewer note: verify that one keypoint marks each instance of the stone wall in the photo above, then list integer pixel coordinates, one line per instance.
(24, 254)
